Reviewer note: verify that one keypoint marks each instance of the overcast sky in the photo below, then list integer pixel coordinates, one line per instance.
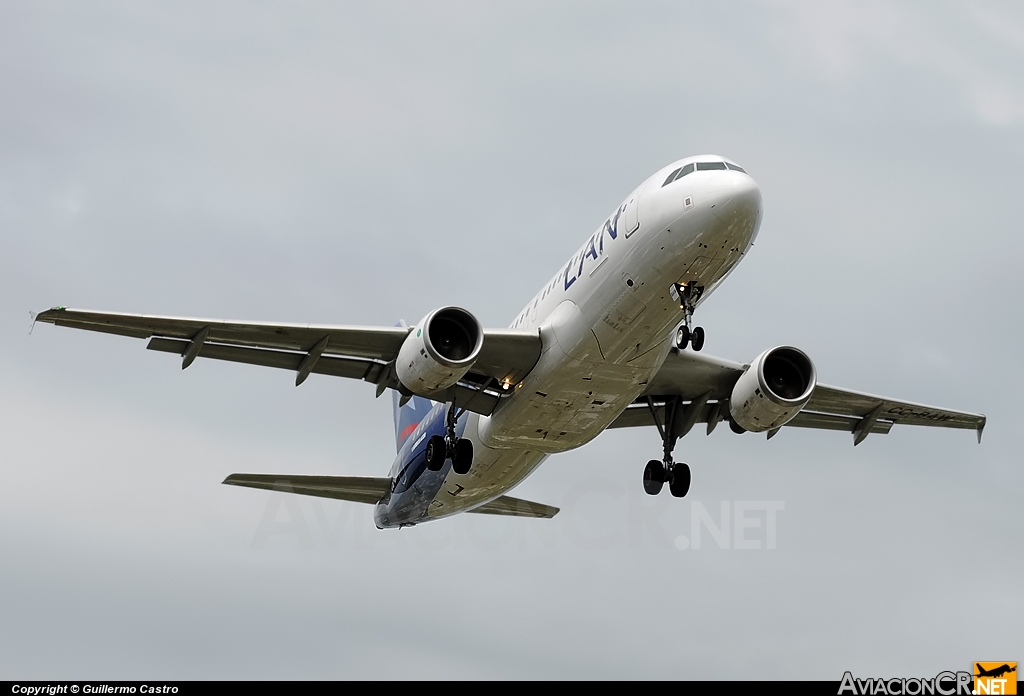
(362, 163)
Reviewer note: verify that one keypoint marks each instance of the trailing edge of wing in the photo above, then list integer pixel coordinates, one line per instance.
(358, 489)
(639, 414)
(469, 397)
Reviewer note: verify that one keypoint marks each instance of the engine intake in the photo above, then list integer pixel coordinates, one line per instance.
(772, 391)
(439, 350)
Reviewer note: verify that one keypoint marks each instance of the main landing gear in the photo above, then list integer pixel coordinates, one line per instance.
(675, 474)
(687, 333)
(459, 450)
(656, 474)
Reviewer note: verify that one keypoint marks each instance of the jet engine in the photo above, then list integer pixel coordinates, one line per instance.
(439, 350)
(774, 388)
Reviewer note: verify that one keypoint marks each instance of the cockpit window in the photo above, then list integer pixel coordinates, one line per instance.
(684, 171)
(704, 166)
(735, 168)
(678, 174)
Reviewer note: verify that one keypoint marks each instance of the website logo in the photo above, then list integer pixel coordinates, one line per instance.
(995, 678)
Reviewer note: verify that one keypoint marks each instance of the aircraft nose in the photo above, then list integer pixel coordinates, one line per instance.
(735, 196)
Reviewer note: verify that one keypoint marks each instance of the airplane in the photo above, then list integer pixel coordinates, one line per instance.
(995, 672)
(608, 342)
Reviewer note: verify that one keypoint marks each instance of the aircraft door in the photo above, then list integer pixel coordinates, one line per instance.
(630, 214)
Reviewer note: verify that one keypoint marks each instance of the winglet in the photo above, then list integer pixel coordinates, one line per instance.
(981, 428)
(46, 315)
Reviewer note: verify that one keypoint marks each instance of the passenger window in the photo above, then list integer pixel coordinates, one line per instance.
(670, 179)
(735, 168)
(704, 166)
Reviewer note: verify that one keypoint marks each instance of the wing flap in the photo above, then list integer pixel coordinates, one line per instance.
(828, 421)
(470, 397)
(358, 489)
(639, 414)
(339, 367)
(516, 507)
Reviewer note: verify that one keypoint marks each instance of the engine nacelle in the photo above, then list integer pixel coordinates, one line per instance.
(774, 388)
(439, 350)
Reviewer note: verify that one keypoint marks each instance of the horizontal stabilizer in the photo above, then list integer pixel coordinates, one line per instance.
(359, 489)
(507, 505)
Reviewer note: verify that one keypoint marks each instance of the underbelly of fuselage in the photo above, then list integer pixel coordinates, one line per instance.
(600, 353)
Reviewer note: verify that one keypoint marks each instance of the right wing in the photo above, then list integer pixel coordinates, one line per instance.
(358, 352)
(367, 489)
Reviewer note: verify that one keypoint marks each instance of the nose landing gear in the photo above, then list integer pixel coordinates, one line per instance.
(459, 450)
(687, 333)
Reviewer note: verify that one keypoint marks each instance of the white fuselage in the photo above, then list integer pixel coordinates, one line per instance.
(606, 321)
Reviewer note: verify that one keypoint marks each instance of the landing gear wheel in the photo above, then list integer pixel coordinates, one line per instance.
(462, 458)
(679, 483)
(654, 477)
(436, 453)
(697, 338)
(682, 337)
(689, 294)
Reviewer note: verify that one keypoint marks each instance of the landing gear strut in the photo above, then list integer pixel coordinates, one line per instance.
(687, 333)
(676, 474)
(459, 450)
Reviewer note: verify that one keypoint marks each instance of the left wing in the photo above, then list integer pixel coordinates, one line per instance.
(694, 388)
(358, 352)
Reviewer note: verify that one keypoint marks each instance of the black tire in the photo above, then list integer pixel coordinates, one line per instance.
(680, 483)
(697, 338)
(463, 458)
(682, 337)
(654, 477)
(436, 453)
